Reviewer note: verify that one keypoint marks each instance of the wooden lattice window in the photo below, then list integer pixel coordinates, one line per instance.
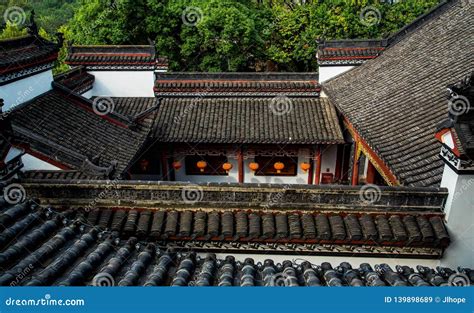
(214, 165)
(266, 166)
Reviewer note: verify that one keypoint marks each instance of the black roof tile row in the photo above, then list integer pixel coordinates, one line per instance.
(236, 84)
(23, 52)
(115, 55)
(62, 248)
(396, 100)
(278, 120)
(64, 128)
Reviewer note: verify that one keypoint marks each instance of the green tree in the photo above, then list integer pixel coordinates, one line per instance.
(11, 31)
(224, 35)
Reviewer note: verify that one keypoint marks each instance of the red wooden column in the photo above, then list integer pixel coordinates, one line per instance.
(339, 158)
(355, 165)
(370, 179)
(172, 175)
(240, 161)
(310, 171)
(317, 164)
(164, 165)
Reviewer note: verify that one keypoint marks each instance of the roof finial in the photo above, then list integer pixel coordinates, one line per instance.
(32, 27)
(60, 37)
(69, 46)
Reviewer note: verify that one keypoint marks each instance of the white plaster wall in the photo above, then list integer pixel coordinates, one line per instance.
(13, 152)
(300, 178)
(329, 159)
(328, 72)
(459, 210)
(123, 83)
(87, 94)
(25, 89)
(30, 162)
(233, 176)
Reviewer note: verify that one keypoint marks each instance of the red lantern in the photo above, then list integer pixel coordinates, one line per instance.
(144, 165)
(177, 165)
(279, 166)
(227, 167)
(254, 166)
(305, 166)
(201, 165)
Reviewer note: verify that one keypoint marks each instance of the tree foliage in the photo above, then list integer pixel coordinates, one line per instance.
(231, 35)
(11, 31)
(50, 14)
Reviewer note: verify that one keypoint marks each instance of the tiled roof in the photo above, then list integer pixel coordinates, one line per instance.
(406, 229)
(64, 127)
(462, 116)
(464, 131)
(236, 84)
(396, 100)
(349, 52)
(133, 106)
(77, 80)
(119, 57)
(24, 52)
(275, 120)
(63, 248)
(5, 126)
(51, 174)
(236, 217)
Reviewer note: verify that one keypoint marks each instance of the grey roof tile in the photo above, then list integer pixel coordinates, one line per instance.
(396, 100)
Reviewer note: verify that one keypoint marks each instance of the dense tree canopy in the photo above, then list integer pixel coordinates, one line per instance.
(230, 35)
(50, 14)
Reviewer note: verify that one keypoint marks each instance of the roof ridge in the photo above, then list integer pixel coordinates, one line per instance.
(28, 36)
(107, 46)
(113, 117)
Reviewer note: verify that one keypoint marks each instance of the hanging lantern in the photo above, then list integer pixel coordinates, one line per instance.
(254, 166)
(201, 165)
(144, 165)
(177, 165)
(279, 166)
(305, 166)
(227, 167)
